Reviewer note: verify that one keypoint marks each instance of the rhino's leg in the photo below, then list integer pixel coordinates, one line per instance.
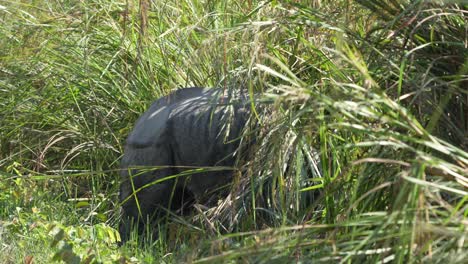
(144, 191)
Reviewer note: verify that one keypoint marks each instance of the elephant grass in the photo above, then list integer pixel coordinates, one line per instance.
(368, 124)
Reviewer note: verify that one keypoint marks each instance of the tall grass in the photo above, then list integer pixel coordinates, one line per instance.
(362, 156)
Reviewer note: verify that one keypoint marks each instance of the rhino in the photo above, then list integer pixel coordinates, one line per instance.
(181, 151)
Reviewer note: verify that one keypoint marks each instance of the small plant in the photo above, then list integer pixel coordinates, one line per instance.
(83, 244)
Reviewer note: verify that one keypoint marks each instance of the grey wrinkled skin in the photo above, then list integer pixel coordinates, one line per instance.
(190, 128)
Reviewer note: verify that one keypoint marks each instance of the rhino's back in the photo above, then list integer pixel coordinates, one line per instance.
(151, 126)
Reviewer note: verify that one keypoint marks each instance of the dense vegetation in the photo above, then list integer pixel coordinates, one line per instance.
(363, 156)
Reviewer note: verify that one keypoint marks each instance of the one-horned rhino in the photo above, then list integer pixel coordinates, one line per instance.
(188, 129)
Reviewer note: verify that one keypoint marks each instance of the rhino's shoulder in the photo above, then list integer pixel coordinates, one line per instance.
(151, 126)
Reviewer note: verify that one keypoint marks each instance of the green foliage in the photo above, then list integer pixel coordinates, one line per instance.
(362, 155)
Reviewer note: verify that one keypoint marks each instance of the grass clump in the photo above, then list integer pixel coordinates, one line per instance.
(362, 158)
